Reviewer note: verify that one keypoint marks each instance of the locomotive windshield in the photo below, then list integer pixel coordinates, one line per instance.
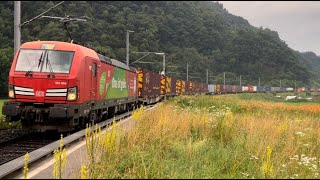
(38, 60)
(29, 60)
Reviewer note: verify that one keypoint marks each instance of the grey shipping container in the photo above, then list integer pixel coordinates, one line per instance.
(261, 88)
(275, 89)
(268, 88)
(211, 88)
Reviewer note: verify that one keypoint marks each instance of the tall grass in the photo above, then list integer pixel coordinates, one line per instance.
(213, 137)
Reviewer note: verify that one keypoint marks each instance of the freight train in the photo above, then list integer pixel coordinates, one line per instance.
(62, 86)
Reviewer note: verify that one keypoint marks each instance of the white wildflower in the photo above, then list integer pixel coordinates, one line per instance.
(254, 157)
(245, 174)
(300, 134)
(296, 157)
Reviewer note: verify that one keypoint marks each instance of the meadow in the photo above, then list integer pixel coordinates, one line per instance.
(225, 136)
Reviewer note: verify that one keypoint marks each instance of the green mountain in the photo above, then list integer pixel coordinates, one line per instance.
(312, 62)
(202, 34)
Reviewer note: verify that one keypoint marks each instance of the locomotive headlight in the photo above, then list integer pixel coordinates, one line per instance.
(72, 94)
(11, 91)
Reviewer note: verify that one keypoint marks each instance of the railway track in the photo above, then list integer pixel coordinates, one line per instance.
(19, 146)
(38, 146)
(6, 135)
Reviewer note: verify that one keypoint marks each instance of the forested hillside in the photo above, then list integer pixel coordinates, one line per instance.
(312, 62)
(203, 34)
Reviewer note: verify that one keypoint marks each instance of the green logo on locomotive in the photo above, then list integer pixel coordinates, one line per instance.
(117, 87)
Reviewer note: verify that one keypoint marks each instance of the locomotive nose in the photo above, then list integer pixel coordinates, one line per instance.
(41, 90)
(39, 95)
(51, 90)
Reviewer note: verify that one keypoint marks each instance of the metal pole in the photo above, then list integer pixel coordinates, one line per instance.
(187, 72)
(224, 78)
(259, 81)
(295, 86)
(280, 82)
(127, 48)
(164, 64)
(240, 80)
(207, 76)
(17, 28)
(18, 25)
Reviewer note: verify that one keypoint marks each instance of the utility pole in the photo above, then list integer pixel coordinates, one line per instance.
(17, 28)
(259, 81)
(207, 76)
(240, 80)
(224, 78)
(18, 25)
(280, 82)
(295, 85)
(187, 71)
(127, 47)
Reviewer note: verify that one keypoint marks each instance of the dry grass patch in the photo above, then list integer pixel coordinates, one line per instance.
(215, 137)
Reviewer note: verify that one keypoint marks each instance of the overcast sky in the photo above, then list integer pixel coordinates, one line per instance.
(297, 22)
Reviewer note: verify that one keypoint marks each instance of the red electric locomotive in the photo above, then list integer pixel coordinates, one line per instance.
(59, 86)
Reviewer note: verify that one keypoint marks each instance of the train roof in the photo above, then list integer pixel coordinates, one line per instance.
(60, 45)
(119, 64)
(115, 62)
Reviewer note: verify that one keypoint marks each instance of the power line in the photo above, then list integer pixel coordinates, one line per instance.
(39, 16)
(65, 20)
(18, 25)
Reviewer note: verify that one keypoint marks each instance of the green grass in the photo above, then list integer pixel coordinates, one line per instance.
(3, 123)
(269, 97)
(1, 104)
(225, 136)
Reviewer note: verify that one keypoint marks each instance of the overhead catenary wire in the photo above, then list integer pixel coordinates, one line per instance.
(18, 25)
(65, 20)
(39, 16)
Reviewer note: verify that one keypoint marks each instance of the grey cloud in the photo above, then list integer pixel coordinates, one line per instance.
(297, 22)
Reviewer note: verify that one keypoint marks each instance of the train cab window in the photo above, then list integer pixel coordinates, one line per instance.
(58, 61)
(94, 69)
(29, 60)
(44, 61)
